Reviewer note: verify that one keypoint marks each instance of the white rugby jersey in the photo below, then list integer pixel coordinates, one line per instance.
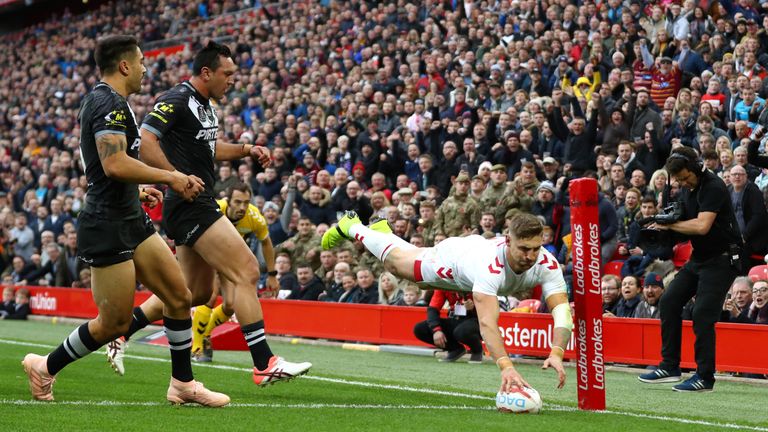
(476, 264)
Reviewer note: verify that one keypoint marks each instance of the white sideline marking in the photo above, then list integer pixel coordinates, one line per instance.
(548, 406)
(108, 403)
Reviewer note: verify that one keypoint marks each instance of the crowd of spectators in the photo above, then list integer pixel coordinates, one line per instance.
(444, 117)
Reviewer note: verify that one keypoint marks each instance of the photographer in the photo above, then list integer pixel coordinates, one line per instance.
(709, 221)
(753, 155)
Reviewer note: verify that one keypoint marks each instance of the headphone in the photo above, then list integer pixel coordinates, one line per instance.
(691, 164)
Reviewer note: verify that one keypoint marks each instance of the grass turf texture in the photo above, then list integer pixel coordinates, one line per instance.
(346, 390)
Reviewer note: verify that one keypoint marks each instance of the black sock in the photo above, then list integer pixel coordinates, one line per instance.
(179, 333)
(138, 322)
(257, 343)
(77, 345)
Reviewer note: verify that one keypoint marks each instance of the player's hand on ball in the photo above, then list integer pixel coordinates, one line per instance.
(556, 363)
(510, 378)
(262, 154)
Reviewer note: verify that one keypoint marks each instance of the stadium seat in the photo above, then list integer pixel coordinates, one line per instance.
(681, 253)
(616, 255)
(759, 272)
(613, 267)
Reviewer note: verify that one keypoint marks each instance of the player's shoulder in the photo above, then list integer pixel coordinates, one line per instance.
(176, 96)
(222, 203)
(546, 262)
(103, 95)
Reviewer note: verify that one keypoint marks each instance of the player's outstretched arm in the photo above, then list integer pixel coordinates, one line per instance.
(488, 315)
(118, 165)
(561, 334)
(226, 151)
(269, 256)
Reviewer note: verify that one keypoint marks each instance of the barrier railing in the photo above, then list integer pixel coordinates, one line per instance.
(625, 340)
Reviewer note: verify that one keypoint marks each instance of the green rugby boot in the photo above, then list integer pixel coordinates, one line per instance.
(340, 231)
(381, 225)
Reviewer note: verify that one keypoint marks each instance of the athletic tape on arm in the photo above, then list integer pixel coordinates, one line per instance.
(562, 316)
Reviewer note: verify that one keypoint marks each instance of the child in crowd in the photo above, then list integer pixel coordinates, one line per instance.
(411, 294)
(549, 239)
(8, 304)
(20, 309)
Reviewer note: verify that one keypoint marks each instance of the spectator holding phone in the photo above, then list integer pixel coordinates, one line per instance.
(737, 302)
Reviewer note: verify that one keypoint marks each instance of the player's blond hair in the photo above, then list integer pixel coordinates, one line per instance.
(525, 226)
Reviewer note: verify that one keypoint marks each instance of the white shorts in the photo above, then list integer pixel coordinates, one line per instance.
(434, 266)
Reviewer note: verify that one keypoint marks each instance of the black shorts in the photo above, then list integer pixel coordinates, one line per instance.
(186, 221)
(103, 241)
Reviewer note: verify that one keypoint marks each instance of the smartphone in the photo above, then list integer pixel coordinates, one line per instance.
(465, 167)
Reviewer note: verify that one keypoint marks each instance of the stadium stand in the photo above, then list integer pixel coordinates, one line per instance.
(362, 98)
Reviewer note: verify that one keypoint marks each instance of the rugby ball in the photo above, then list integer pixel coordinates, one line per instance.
(521, 400)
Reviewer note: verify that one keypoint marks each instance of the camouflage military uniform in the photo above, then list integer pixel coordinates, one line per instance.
(512, 200)
(491, 199)
(455, 213)
(301, 245)
(370, 262)
(321, 273)
(428, 232)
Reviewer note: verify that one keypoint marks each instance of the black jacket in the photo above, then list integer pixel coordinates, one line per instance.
(579, 149)
(626, 308)
(754, 158)
(309, 291)
(19, 312)
(362, 205)
(367, 296)
(755, 219)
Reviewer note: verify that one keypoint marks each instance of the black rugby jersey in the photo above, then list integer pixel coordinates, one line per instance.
(187, 126)
(104, 111)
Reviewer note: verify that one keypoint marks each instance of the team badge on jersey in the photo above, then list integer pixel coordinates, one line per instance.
(202, 114)
(116, 118)
(161, 111)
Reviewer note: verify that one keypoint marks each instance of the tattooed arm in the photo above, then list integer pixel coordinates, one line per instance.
(119, 166)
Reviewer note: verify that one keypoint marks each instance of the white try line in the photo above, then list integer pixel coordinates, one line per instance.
(108, 403)
(548, 406)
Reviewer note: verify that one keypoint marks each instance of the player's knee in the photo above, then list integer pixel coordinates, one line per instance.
(247, 276)
(200, 297)
(180, 300)
(111, 327)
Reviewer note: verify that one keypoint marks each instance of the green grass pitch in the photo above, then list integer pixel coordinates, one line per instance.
(345, 391)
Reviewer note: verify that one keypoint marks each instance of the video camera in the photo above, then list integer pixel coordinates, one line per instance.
(671, 214)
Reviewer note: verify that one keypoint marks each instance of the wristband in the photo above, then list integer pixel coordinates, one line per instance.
(504, 363)
(272, 273)
(437, 329)
(560, 354)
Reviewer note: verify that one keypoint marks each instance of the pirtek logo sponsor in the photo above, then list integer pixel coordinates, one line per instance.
(207, 134)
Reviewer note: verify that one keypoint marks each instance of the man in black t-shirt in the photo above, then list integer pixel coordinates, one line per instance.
(181, 132)
(710, 223)
(116, 237)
